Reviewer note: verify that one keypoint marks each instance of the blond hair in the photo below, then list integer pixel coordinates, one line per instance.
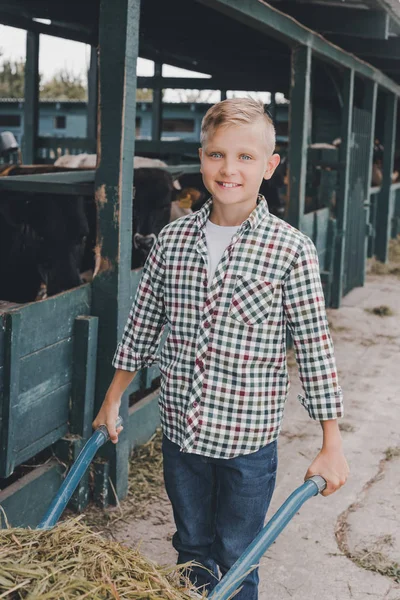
(238, 111)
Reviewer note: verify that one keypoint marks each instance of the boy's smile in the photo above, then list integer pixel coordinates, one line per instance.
(234, 162)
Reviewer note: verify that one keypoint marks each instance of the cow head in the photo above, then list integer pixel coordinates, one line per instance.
(151, 210)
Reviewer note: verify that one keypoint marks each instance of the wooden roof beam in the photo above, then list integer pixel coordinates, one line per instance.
(385, 49)
(272, 22)
(77, 34)
(370, 24)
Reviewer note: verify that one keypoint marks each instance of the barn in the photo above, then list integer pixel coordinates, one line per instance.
(338, 67)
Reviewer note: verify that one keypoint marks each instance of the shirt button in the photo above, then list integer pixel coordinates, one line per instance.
(206, 324)
(205, 282)
(195, 404)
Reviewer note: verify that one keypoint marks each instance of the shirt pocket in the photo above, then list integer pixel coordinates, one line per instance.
(251, 301)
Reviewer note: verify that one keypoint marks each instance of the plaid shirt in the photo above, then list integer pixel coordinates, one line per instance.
(224, 378)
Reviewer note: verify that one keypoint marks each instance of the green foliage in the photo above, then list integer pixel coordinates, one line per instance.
(64, 85)
(11, 78)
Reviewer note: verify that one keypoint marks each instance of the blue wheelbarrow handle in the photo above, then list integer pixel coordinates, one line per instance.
(252, 555)
(61, 499)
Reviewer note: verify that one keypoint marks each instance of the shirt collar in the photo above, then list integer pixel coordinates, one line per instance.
(253, 220)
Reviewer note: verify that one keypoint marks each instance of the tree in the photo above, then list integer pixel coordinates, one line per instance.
(64, 85)
(12, 78)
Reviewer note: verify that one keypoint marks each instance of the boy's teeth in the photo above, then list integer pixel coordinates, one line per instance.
(229, 185)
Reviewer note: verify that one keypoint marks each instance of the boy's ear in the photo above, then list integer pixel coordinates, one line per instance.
(273, 162)
(201, 157)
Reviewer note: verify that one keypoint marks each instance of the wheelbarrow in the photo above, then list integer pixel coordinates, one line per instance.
(251, 556)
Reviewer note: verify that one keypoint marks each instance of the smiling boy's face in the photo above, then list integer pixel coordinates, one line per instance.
(234, 161)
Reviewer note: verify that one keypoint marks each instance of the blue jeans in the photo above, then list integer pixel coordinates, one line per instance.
(219, 507)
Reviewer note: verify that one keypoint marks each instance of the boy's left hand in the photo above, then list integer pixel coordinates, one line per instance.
(332, 465)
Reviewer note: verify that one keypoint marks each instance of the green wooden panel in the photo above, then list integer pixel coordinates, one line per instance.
(67, 451)
(38, 445)
(369, 104)
(84, 376)
(26, 500)
(316, 225)
(118, 50)
(298, 132)
(31, 104)
(144, 418)
(384, 212)
(156, 107)
(9, 423)
(34, 422)
(343, 188)
(43, 372)
(91, 127)
(52, 320)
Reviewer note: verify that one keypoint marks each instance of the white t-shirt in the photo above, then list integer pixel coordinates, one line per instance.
(218, 239)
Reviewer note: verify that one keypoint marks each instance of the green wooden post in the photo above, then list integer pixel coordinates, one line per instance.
(91, 128)
(298, 132)
(12, 340)
(272, 107)
(370, 97)
(84, 376)
(156, 115)
(223, 95)
(118, 45)
(385, 196)
(31, 104)
(343, 188)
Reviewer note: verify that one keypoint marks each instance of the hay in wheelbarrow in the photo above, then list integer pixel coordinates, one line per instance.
(71, 561)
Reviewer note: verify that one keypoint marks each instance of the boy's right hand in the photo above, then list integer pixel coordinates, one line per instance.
(107, 416)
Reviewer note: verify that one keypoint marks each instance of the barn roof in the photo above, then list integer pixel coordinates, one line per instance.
(241, 40)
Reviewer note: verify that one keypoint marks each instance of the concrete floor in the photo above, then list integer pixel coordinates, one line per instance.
(307, 562)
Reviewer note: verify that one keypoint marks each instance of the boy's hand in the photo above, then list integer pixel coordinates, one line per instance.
(107, 416)
(331, 464)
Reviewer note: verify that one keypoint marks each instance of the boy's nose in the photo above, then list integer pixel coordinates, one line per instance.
(228, 168)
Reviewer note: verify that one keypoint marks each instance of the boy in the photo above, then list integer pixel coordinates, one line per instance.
(227, 280)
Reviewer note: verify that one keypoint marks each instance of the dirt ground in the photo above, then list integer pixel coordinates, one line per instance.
(330, 547)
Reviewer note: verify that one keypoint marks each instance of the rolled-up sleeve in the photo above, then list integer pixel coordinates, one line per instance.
(304, 307)
(142, 333)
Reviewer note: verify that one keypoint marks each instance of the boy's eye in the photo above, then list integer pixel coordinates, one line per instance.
(245, 156)
(215, 154)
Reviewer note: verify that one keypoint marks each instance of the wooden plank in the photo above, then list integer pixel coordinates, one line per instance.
(343, 188)
(85, 144)
(43, 372)
(118, 51)
(144, 418)
(370, 24)
(386, 49)
(80, 34)
(31, 104)
(298, 132)
(369, 104)
(10, 393)
(52, 320)
(244, 83)
(84, 375)
(40, 418)
(266, 18)
(78, 183)
(165, 147)
(384, 212)
(67, 451)
(38, 445)
(25, 501)
(156, 107)
(91, 126)
(316, 226)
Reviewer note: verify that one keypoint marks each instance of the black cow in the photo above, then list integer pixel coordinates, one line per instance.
(41, 240)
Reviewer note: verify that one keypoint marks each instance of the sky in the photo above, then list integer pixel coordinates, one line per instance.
(57, 53)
